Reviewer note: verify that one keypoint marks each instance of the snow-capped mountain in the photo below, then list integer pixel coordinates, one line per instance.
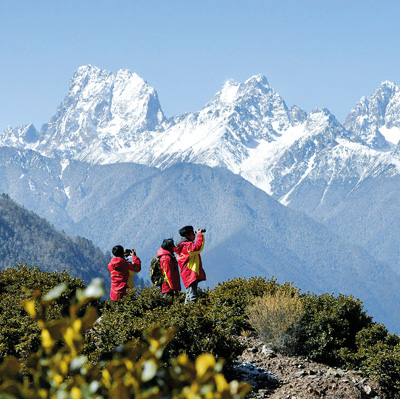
(247, 127)
(103, 112)
(226, 132)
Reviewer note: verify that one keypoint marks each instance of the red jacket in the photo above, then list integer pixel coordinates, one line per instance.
(120, 271)
(170, 271)
(189, 260)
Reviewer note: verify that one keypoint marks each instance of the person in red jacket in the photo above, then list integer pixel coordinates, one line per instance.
(121, 271)
(189, 260)
(169, 268)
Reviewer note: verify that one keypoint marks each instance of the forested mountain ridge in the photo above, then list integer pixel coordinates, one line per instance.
(27, 238)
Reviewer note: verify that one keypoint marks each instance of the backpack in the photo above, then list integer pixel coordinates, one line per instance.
(156, 276)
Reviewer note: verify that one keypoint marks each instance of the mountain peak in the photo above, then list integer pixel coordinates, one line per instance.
(387, 84)
(87, 68)
(114, 111)
(320, 119)
(376, 119)
(383, 94)
(261, 79)
(233, 92)
(229, 91)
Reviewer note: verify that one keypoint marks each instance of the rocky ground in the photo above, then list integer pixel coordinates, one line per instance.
(275, 376)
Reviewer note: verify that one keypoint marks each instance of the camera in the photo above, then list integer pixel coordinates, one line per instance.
(129, 252)
(202, 230)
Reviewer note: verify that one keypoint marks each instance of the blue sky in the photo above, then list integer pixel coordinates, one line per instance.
(315, 54)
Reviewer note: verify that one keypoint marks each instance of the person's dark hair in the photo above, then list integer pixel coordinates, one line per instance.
(185, 231)
(118, 251)
(168, 244)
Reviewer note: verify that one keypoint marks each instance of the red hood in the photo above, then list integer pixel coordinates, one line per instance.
(163, 251)
(181, 244)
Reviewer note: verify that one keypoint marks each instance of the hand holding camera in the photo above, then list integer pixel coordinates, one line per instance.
(129, 252)
(199, 231)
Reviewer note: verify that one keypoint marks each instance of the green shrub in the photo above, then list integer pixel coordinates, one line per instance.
(329, 324)
(58, 370)
(377, 356)
(19, 335)
(332, 329)
(210, 325)
(228, 301)
(381, 363)
(130, 318)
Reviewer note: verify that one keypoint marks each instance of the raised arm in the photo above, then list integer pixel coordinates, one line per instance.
(197, 246)
(136, 264)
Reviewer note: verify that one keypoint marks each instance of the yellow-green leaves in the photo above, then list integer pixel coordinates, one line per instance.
(55, 293)
(30, 308)
(94, 290)
(149, 370)
(204, 364)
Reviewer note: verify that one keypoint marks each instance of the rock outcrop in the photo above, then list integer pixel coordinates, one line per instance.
(276, 376)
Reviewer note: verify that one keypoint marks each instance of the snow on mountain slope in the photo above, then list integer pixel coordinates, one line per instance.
(237, 116)
(241, 128)
(326, 152)
(248, 129)
(23, 136)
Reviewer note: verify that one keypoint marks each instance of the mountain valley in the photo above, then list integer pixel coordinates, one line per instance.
(110, 166)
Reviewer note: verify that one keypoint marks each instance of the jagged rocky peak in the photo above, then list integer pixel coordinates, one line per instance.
(104, 109)
(297, 115)
(233, 92)
(256, 100)
(376, 119)
(248, 111)
(372, 109)
(20, 137)
(257, 81)
(229, 92)
(123, 94)
(322, 127)
(29, 134)
(320, 119)
(85, 73)
(392, 116)
(258, 87)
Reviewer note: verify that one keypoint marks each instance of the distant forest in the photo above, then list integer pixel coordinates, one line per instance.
(27, 238)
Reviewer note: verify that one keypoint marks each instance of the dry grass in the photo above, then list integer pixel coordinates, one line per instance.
(272, 315)
(245, 333)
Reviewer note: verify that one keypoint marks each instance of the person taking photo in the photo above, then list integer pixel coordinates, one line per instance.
(121, 271)
(188, 249)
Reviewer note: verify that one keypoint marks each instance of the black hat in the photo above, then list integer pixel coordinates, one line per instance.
(118, 251)
(185, 231)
